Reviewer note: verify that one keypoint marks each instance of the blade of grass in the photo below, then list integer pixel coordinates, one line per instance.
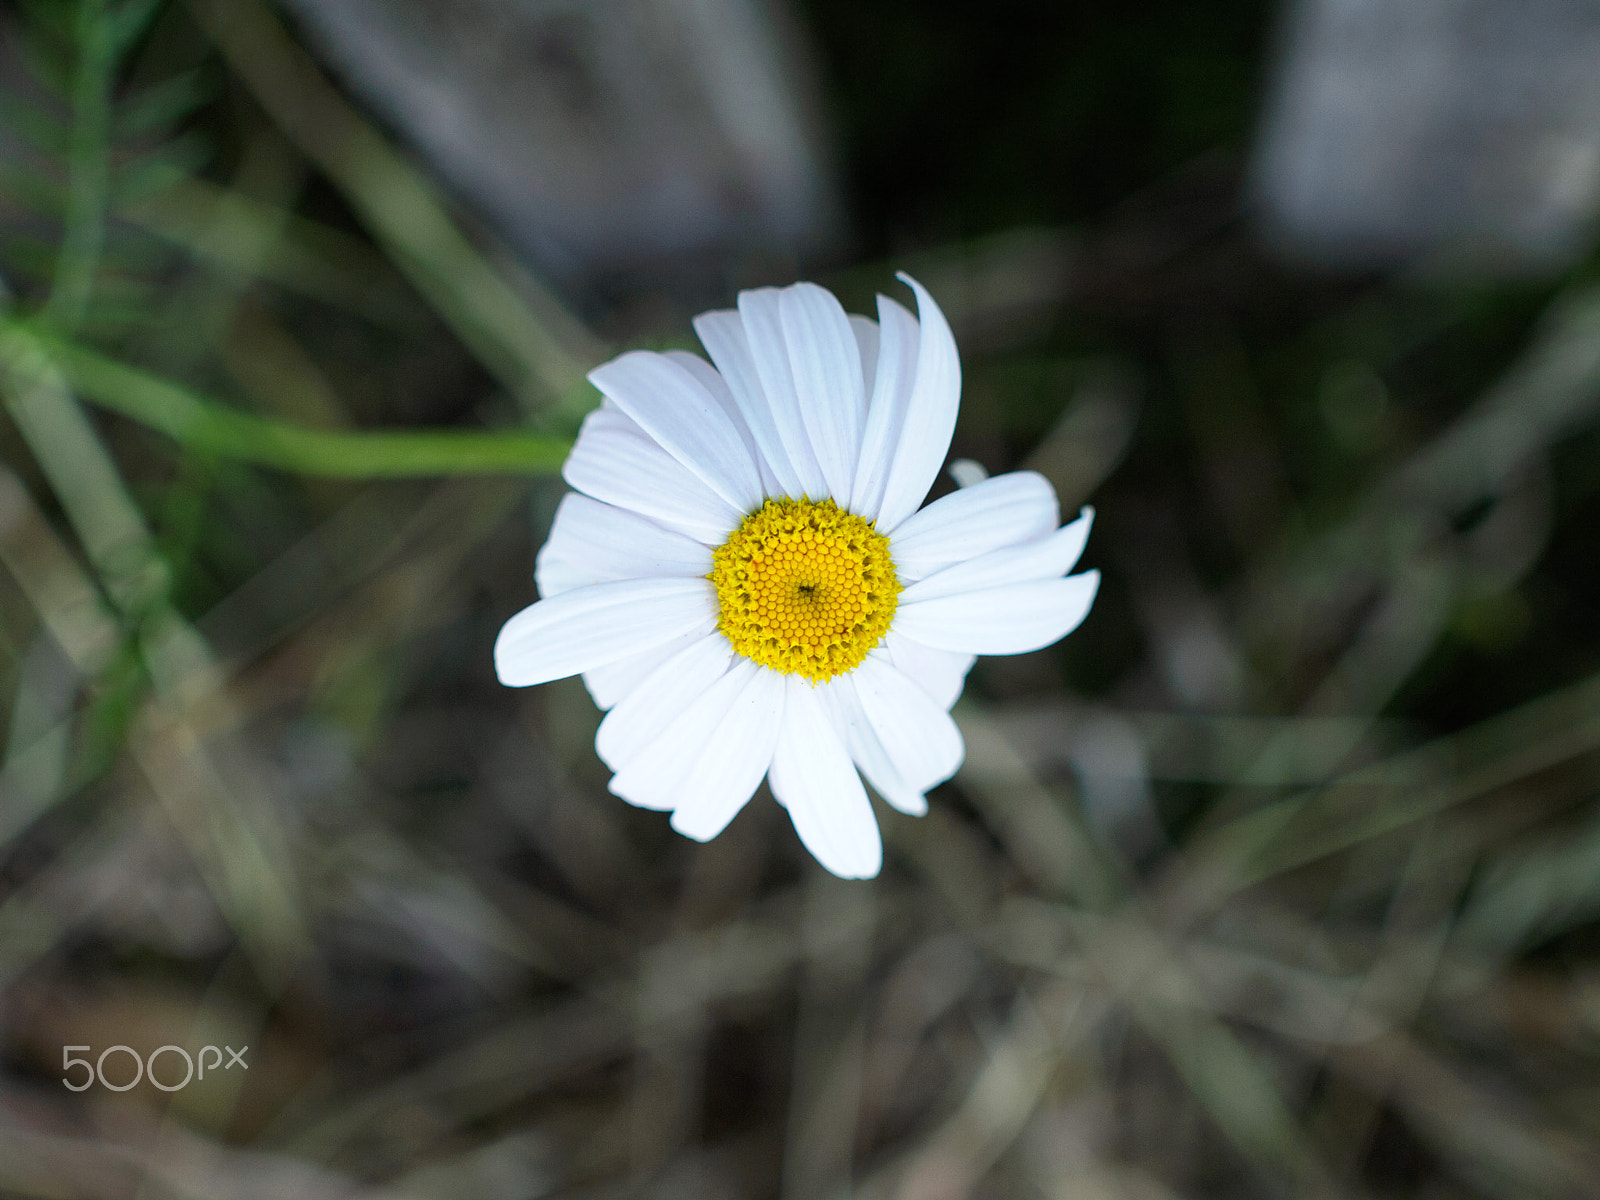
(241, 234)
(1133, 956)
(226, 815)
(89, 169)
(540, 355)
(1409, 787)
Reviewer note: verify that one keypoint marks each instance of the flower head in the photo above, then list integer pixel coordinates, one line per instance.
(745, 581)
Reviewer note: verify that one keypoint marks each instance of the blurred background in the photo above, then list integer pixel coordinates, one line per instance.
(1280, 876)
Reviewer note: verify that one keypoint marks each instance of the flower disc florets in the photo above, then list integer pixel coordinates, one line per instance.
(805, 588)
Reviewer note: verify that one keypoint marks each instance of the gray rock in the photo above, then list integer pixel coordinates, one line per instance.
(597, 135)
(1467, 128)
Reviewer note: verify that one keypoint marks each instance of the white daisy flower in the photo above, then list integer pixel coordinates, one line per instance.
(744, 579)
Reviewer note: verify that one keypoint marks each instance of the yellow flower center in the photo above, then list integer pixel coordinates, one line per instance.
(805, 588)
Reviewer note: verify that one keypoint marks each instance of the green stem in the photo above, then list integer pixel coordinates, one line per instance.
(89, 178)
(211, 428)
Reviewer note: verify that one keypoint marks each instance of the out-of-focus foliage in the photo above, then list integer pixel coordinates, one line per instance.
(1281, 876)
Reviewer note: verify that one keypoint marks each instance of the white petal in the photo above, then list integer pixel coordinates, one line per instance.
(714, 383)
(722, 334)
(826, 363)
(1008, 620)
(613, 463)
(818, 785)
(610, 684)
(727, 775)
(589, 627)
(660, 774)
(775, 780)
(886, 412)
(930, 419)
(940, 673)
(686, 420)
(867, 751)
(763, 329)
(965, 472)
(591, 542)
(1048, 558)
(1002, 511)
(654, 776)
(640, 716)
(866, 331)
(917, 733)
